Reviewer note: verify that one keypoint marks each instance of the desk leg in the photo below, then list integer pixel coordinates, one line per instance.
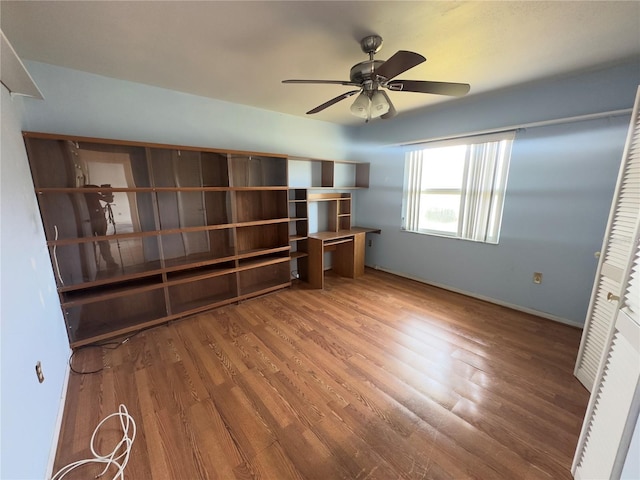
(316, 263)
(358, 254)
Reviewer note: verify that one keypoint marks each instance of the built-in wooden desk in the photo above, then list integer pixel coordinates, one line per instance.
(348, 253)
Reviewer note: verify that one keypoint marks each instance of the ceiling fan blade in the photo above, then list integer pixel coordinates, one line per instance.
(438, 88)
(400, 62)
(392, 110)
(319, 108)
(330, 82)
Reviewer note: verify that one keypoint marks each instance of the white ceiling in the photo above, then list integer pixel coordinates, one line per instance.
(239, 51)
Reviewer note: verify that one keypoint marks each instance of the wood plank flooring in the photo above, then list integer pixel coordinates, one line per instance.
(379, 377)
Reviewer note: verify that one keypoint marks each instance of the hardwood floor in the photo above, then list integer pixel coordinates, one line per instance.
(379, 377)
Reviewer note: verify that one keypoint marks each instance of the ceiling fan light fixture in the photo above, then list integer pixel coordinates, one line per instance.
(379, 104)
(360, 107)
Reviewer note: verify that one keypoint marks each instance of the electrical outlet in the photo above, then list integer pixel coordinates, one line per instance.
(537, 277)
(39, 373)
(370, 243)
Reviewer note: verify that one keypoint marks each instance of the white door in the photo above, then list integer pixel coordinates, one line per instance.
(616, 252)
(614, 405)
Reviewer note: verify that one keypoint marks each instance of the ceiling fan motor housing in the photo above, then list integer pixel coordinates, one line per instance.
(364, 71)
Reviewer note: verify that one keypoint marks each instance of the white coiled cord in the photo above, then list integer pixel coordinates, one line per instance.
(118, 457)
(55, 257)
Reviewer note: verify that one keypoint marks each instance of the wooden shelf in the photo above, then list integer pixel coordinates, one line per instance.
(193, 228)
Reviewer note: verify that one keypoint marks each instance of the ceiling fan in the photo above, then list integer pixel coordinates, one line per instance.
(372, 76)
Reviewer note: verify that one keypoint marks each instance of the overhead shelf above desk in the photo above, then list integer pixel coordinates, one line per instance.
(331, 174)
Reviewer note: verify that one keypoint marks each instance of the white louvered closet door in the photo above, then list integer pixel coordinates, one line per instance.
(614, 258)
(614, 404)
(615, 401)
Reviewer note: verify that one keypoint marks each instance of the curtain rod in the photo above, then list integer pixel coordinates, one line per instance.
(523, 126)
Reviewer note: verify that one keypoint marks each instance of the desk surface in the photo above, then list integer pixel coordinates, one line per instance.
(342, 233)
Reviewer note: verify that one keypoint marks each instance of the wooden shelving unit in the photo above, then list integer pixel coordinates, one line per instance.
(140, 234)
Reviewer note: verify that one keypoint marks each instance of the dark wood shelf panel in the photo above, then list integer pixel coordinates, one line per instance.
(122, 289)
(259, 188)
(43, 190)
(262, 289)
(87, 337)
(194, 307)
(94, 322)
(117, 275)
(205, 292)
(299, 254)
(257, 171)
(249, 264)
(167, 231)
(196, 261)
(295, 238)
(264, 276)
(192, 189)
(182, 276)
(204, 228)
(262, 222)
(261, 252)
(129, 143)
(99, 238)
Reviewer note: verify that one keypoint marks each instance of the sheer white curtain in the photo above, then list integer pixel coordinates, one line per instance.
(413, 179)
(484, 190)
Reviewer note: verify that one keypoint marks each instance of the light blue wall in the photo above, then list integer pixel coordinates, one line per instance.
(30, 316)
(559, 191)
(78, 103)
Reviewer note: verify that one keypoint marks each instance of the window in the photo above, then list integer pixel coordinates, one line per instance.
(456, 187)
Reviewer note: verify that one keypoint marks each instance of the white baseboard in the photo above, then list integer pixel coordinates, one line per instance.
(531, 311)
(58, 427)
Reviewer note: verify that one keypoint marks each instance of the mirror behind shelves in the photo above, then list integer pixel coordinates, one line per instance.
(94, 209)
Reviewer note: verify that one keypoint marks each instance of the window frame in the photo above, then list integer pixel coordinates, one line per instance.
(492, 225)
